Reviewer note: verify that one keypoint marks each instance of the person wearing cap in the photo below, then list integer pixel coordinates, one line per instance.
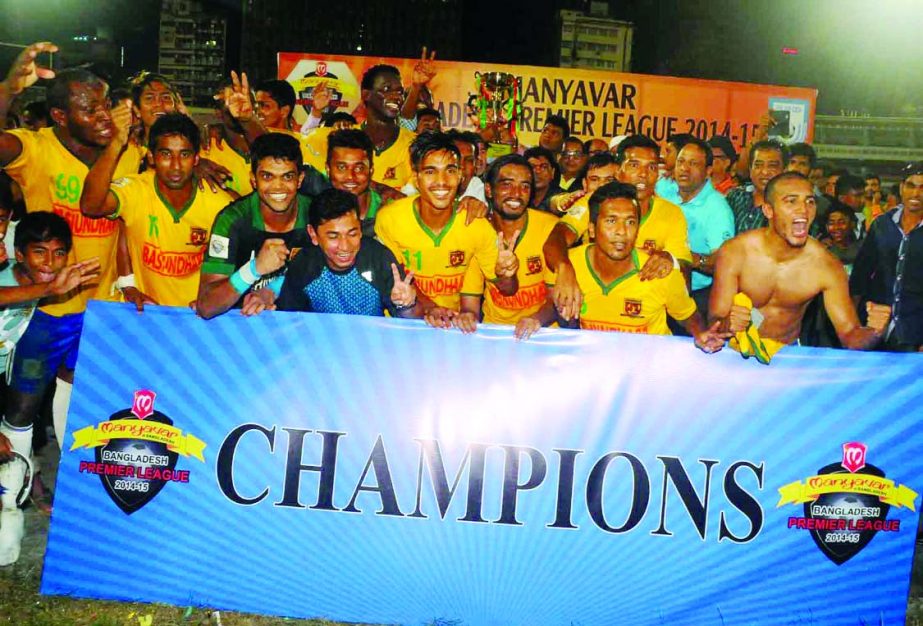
(614, 143)
(709, 218)
(889, 266)
(724, 156)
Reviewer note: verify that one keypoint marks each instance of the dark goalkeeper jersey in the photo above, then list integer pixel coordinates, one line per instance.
(364, 289)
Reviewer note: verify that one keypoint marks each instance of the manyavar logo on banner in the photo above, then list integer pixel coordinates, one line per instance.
(846, 504)
(596, 103)
(136, 452)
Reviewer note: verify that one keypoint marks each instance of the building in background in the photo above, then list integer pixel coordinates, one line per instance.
(390, 28)
(864, 144)
(594, 40)
(193, 42)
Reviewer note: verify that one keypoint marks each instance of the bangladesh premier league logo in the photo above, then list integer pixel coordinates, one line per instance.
(846, 504)
(136, 452)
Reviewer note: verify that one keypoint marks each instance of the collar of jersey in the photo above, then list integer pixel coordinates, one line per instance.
(522, 232)
(437, 239)
(385, 149)
(301, 212)
(649, 211)
(374, 204)
(615, 283)
(177, 214)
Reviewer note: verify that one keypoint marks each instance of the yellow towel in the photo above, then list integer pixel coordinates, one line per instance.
(748, 342)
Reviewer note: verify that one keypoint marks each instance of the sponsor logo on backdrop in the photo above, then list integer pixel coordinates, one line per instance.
(136, 452)
(846, 504)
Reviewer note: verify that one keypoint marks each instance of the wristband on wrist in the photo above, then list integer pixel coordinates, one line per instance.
(124, 282)
(245, 277)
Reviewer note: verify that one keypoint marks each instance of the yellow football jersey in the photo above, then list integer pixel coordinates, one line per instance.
(166, 245)
(130, 161)
(438, 262)
(391, 166)
(238, 164)
(629, 304)
(534, 275)
(663, 228)
(51, 178)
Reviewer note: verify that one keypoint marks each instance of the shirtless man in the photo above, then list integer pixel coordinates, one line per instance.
(781, 268)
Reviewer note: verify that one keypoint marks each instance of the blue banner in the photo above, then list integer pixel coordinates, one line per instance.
(379, 471)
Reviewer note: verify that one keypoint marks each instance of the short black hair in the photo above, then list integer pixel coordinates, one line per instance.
(847, 183)
(680, 139)
(340, 116)
(561, 122)
(40, 227)
(39, 110)
(635, 141)
(538, 152)
(352, 138)
(431, 141)
(778, 178)
(597, 161)
(331, 204)
(58, 93)
(612, 191)
(839, 207)
(770, 144)
(118, 94)
(429, 111)
(493, 171)
(575, 139)
(805, 150)
(175, 124)
(371, 74)
(588, 143)
(869, 177)
(139, 82)
(276, 146)
(704, 147)
(281, 91)
(467, 137)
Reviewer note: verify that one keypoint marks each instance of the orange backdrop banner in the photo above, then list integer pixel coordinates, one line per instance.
(597, 104)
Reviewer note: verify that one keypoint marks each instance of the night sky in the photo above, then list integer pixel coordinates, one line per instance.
(861, 55)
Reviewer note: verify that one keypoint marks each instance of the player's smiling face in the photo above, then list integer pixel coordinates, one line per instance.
(838, 227)
(339, 239)
(268, 111)
(386, 97)
(41, 261)
(349, 169)
(791, 210)
(155, 101)
(616, 228)
(510, 195)
(438, 179)
(640, 167)
(276, 182)
(599, 176)
(88, 118)
(767, 164)
(912, 193)
(173, 160)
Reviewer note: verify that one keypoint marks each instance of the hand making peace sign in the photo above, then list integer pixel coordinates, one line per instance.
(507, 261)
(403, 294)
(237, 97)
